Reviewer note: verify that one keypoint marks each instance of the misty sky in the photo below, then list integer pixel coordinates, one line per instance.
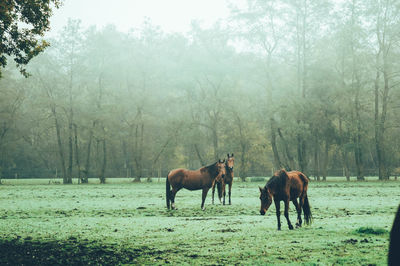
(171, 15)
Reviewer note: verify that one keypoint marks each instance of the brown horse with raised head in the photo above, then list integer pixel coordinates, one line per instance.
(287, 186)
(203, 178)
(227, 180)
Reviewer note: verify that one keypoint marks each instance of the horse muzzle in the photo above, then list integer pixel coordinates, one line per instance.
(262, 212)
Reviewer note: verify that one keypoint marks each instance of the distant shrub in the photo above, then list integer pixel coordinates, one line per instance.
(371, 231)
(396, 171)
(256, 179)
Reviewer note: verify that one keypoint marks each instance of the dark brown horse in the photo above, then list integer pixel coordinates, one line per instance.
(203, 178)
(287, 186)
(394, 244)
(227, 180)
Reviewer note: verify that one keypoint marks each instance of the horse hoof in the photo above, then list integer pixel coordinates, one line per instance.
(290, 227)
(279, 229)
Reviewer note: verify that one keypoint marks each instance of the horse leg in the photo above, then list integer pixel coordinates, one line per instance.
(298, 209)
(223, 192)
(213, 191)
(278, 213)
(204, 195)
(229, 193)
(219, 187)
(287, 214)
(173, 193)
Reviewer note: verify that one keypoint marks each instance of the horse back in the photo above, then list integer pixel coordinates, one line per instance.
(298, 183)
(176, 176)
(189, 179)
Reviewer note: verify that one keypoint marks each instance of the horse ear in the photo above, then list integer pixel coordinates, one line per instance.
(260, 189)
(283, 173)
(232, 154)
(228, 155)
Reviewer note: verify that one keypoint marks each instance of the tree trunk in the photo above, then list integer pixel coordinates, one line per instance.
(383, 171)
(325, 160)
(380, 120)
(60, 147)
(139, 138)
(243, 171)
(377, 122)
(316, 157)
(104, 164)
(126, 158)
(290, 165)
(70, 152)
(357, 139)
(277, 161)
(78, 164)
(343, 152)
(301, 153)
(85, 179)
(215, 142)
(243, 146)
(202, 162)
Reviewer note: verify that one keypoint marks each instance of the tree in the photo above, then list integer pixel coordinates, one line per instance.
(385, 17)
(21, 42)
(257, 25)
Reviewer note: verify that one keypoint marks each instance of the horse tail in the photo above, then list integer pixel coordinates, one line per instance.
(307, 211)
(219, 188)
(304, 178)
(306, 205)
(168, 191)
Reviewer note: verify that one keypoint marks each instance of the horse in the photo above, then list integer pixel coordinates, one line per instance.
(394, 244)
(227, 180)
(287, 186)
(203, 178)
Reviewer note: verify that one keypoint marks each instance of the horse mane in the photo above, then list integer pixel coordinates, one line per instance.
(272, 181)
(212, 169)
(276, 179)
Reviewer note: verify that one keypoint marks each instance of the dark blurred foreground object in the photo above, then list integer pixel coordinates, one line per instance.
(22, 23)
(394, 246)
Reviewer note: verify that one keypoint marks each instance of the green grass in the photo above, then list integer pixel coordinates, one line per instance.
(123, 222)
(371, 231)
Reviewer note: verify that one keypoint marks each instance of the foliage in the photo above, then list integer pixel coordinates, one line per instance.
(22, 23)
(278, 88)
(371, 231)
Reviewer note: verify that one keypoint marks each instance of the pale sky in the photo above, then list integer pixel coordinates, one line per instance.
(170, 15)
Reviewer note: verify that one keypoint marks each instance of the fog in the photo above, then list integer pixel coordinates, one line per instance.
(171, 15)
(137, 88)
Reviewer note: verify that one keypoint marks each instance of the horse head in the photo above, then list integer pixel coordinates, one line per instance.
(266, 199)
(230, 162)
(221, 171)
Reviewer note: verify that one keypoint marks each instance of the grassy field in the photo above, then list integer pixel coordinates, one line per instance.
(123, 222)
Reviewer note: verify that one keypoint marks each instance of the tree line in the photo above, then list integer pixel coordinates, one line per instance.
(295, 84)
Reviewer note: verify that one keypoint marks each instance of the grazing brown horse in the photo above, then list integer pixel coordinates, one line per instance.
(203, 178)
(228, 180)
(287, 186)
